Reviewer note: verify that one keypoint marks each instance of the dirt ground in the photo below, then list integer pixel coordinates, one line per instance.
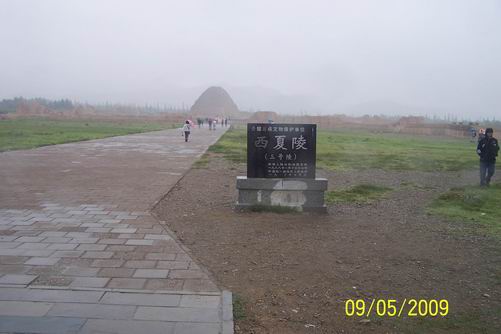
(294, 272)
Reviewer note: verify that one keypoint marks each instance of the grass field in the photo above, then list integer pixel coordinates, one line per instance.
(480, 205)
(362, 193)
(342, 150)
(30, 133)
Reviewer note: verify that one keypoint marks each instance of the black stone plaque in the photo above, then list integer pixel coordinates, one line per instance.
(281, 150)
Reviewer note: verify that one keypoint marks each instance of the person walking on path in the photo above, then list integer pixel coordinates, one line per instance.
(186, 130)
(487, 149)
(481, 134)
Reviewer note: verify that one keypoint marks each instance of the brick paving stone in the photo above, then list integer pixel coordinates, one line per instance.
(76, 212)
(98, 212)
(79, 235)
(60, 215)
(46, 295)
(120, 248)
(173, 265)
(110, 221)
(94, 326)
(49, 325)
(92, 225)
(164, 284)
(126, 217)
(9, 245)
(112, 226)
(126, 283)
(112, 241)
(70, 253)
(130, 256)
(187, 314)
(140, 213)
(17, 279)
(130, 236)
(200, 301)
(72, 228)
(89, 282)
(56, 239)
(84, 240)
(157, 237)
(26, 309)
(13, 259)
(140, 264)
(4, 238)
(116, 272)
(13, 252)
(32, 245)
(14, 269)
(38, 252)
(110, 263)
(92, 311)
(198, 285)
(66, 220)
(196, 328)
(42, 261)
(91, 247)
(97, 254)
(145, 299)
(80, 271)
(124, 230)
(74, 262)
(139, 242)
(150, 249)
(58, 246)
(98, 229)
(186, 274)
(151, 273)
(161, 256)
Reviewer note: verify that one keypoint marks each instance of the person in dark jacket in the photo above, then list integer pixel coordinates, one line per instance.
(487, 149)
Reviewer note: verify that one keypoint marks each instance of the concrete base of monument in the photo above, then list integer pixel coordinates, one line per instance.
(301, 194)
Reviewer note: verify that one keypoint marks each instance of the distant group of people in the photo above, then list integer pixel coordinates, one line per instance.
(212, 122)
(473, 132)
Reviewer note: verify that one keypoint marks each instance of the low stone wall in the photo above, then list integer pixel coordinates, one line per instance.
(301, 194)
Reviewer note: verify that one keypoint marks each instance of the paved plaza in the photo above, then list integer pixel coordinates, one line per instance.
(80, 251)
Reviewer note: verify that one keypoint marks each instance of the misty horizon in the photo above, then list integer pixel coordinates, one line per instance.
(329, 57)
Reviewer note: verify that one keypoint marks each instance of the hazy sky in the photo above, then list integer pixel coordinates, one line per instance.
(316, 56)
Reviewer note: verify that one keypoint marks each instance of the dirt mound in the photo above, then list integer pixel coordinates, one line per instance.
(215, 101)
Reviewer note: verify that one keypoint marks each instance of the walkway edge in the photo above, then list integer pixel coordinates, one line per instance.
(227, 309)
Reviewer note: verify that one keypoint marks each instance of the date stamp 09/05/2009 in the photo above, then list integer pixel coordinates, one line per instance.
(394, 308)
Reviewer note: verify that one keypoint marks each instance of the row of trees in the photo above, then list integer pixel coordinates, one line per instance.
(10, 105)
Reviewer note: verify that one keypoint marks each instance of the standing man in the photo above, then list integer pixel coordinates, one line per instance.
(487, 149)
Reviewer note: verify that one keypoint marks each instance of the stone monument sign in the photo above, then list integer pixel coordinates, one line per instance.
(281, 150)
(281, 168)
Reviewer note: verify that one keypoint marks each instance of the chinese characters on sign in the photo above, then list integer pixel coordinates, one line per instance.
(281, 150)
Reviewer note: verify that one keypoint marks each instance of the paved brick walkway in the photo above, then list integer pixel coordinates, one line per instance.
(80, 252)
